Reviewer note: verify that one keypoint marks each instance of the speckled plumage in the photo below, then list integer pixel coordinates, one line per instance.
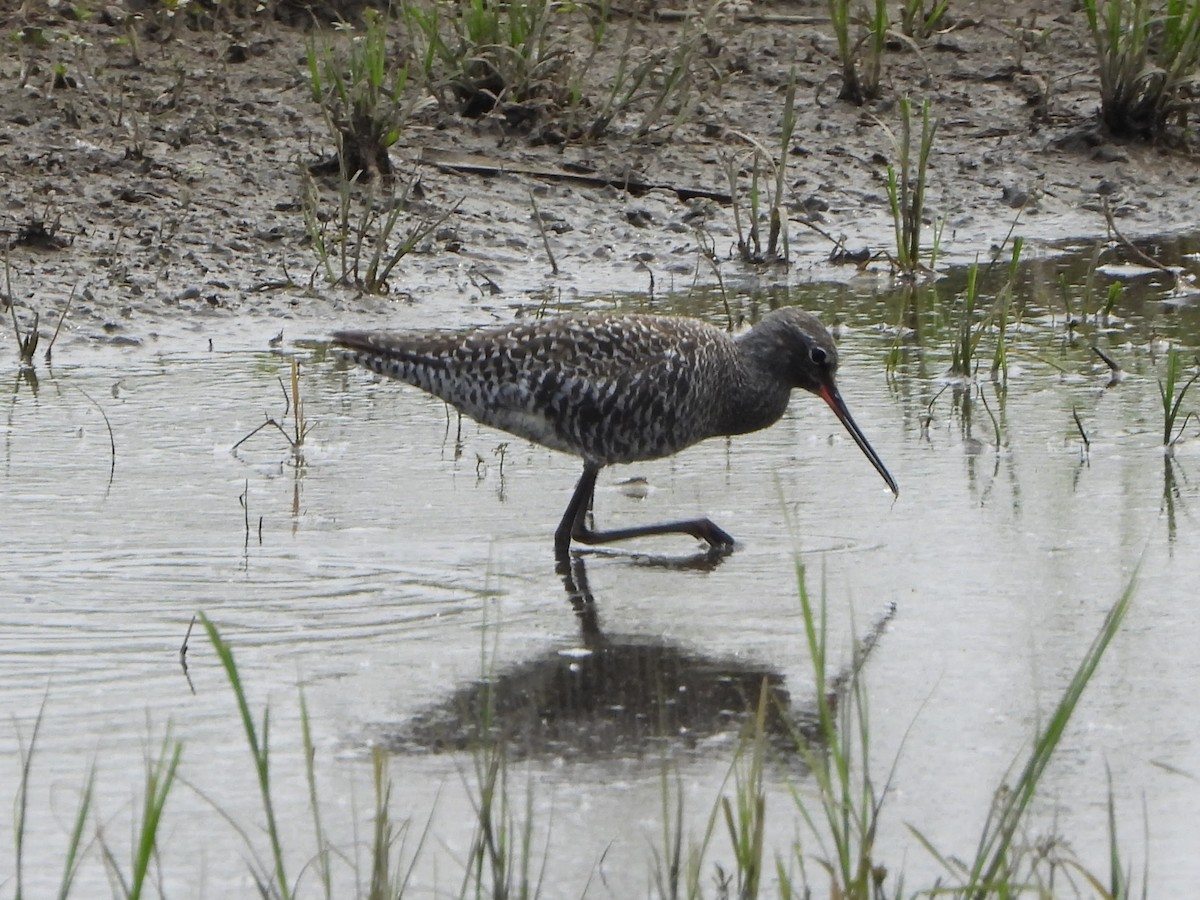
(611, 389)
(617, 388)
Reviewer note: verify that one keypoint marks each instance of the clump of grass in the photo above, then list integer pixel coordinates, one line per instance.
(29, 340)
(962, 353)
(679, 871)
(1002, 309)
(481, 53)
(919, 18)
(390, 872)
(500, 860)
(160, 779)
(861, 55)
(768, 185)
(1172, 399)
(160, 776)
(370, 232)
(1148, 54)
(847, 802)
(361, 93)
(844, 815)
(906, 189)
(660, 87)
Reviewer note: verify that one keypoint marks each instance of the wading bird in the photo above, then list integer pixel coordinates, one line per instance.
(618, 389)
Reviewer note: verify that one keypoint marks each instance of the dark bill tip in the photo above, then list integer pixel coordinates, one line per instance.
(829, 393)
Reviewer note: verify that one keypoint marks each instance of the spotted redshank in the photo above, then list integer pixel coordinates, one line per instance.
(618, 389)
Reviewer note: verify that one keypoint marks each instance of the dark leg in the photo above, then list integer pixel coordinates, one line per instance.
(572, 526)
(572, 519)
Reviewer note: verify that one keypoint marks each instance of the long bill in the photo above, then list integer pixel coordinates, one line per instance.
(829, 393)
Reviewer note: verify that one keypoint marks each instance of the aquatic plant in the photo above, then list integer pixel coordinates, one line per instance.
(160, 776)
(294, 406)
(1002, 309)
(1172, 399)
(962, 353)
(906, 189)
(1148, 55)
(848, 802)
(260, 751)
(502, 860)
(997, 862)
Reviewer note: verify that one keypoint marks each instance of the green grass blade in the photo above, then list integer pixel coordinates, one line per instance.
(260, 752)
(72, 861)
(998, 834)
(160, 778)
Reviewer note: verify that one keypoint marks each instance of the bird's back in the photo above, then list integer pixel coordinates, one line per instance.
(607, 388)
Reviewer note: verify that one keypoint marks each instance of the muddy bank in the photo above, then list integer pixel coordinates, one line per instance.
(165, 186)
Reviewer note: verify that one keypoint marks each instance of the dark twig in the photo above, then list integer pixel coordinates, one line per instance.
(1087, 445)
(27, 344)
(58, 327)
(537, 218)
(1149, 260)
(183, 649)
(1112, 364)
(112, 442)
(296, 440)
(244, 500)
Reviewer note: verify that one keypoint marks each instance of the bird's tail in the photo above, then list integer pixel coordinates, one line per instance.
(418, 359)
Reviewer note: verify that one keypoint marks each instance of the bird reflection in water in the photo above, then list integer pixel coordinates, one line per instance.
(608, 696)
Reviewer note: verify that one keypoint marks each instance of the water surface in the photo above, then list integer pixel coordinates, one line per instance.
(398, 559)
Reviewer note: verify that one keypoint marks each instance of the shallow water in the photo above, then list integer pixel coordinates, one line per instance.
(398, 560)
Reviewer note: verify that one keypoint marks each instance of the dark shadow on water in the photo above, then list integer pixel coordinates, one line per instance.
(609, 696)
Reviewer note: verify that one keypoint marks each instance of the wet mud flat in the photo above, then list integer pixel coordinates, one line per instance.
(163, 180)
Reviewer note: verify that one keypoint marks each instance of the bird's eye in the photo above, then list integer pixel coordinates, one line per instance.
(818, 355)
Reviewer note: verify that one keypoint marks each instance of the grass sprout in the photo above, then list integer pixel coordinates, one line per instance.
(768, 185)
(907, 187)
(1173, 398)
(259, 741)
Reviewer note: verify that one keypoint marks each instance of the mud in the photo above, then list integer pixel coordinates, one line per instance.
(163, 187)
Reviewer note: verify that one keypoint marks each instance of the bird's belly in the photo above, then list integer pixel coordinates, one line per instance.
(603, 443)
(533, 426)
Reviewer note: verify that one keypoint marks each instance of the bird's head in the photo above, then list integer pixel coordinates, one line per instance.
(797, 342)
